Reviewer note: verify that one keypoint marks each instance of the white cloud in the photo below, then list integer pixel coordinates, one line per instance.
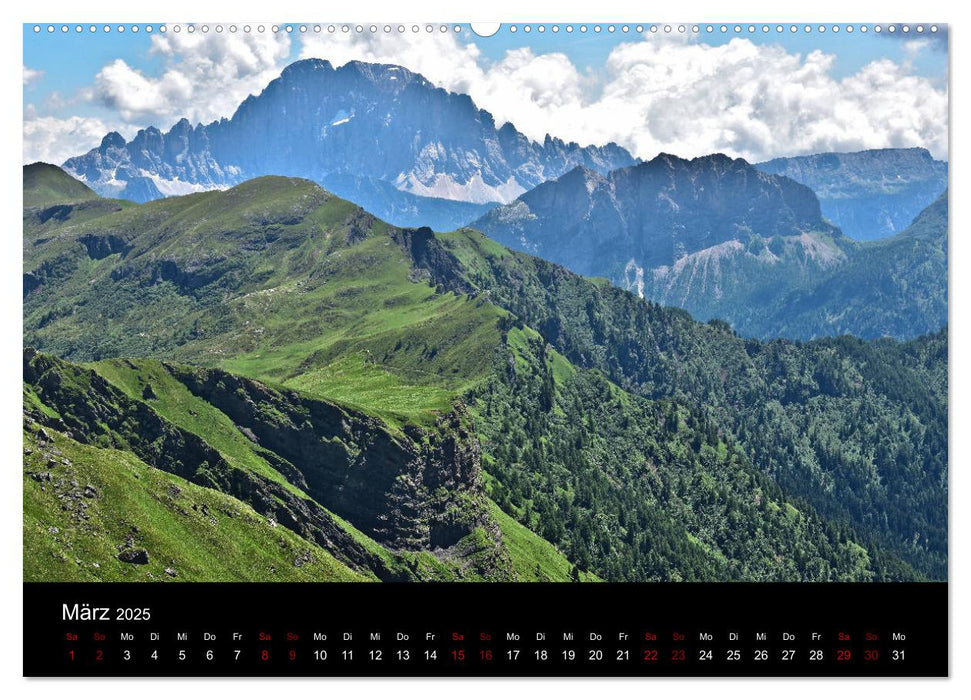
(54, 140)
(31, 74)
(914, 47)
(204, 77)
(679, 96)
(761, 101)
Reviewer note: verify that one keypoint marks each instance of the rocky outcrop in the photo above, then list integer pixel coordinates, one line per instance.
(431, 259)
(100, 247)
(418, 490)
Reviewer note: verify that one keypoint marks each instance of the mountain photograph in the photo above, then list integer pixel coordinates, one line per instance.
(366, 316)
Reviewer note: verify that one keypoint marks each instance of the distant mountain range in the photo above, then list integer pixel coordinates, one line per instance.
(724, 240)
(386, 138)
(379, 135)
(870, 194)
(717, 236)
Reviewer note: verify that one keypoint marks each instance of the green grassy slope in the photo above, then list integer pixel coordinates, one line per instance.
(149, 380)
(534, 558)
(84, 506)
(145, 412)
(46, 185)
(273, 279)
(317, 297)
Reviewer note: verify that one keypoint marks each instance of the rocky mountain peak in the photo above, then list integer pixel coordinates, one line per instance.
(653, 213)
(112, 140)
(306, 67)
(377, 134)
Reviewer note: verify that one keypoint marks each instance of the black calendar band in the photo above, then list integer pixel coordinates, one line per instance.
(683, 629)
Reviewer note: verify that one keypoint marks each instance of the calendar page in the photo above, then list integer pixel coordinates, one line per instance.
(450, 349)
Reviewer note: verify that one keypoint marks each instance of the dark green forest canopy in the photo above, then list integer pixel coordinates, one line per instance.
(857, 428)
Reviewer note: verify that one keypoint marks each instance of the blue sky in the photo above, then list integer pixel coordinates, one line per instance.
(70, 60)
(563, 83)
(853, 49)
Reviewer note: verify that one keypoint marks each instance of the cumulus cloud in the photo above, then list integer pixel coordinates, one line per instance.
(204, 76)
(760, 101)
(30, 75)
(54, 140)
(679, 96)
